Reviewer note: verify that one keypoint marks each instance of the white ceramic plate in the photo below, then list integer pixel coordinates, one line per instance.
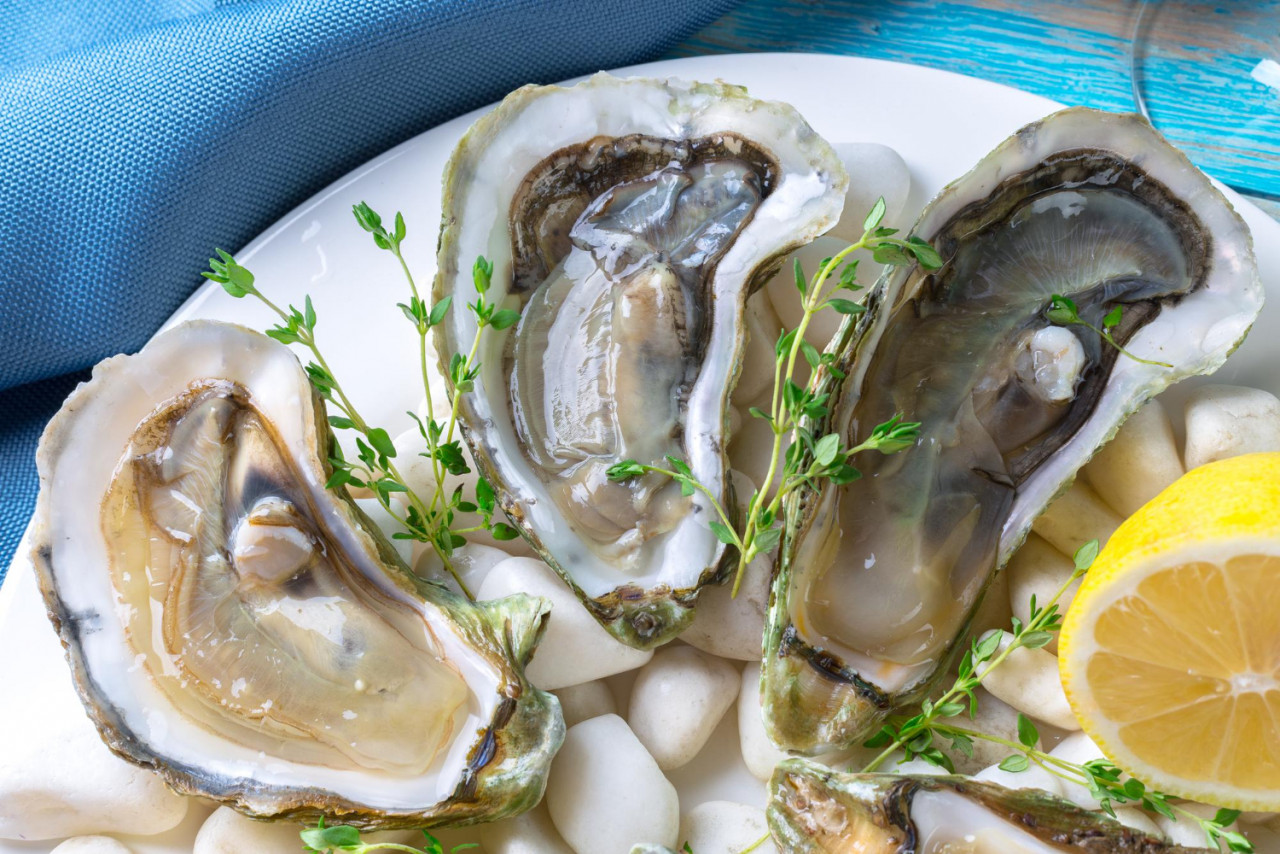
(940, 123)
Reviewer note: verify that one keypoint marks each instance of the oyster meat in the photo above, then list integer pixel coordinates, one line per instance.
(878, 579)
(814, 810)
(627, 220)
(246, 632)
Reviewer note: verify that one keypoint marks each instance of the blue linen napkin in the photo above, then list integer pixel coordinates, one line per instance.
(136, 135)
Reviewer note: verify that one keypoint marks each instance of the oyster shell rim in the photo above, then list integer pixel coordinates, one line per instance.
(639, 616)
(526, 729)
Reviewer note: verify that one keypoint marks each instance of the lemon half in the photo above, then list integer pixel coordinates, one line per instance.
(1170, 653)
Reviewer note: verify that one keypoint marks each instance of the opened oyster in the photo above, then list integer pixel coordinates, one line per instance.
(628, 220)
(246, 632)
(879, 579)
(813, 810)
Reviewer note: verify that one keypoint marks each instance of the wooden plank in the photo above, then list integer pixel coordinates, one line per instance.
(1194, 67)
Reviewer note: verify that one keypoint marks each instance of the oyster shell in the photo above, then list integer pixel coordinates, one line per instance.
(628, 220)
(878, 579)
(246, 632)
(814, 810)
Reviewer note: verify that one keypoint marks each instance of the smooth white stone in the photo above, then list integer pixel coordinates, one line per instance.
(874, 170)
(678, 699)
(1038, 569)
(528, 833)
(1028, 681)
(729, 626)
(92, 845)
(917, 766)
(1227, 421)
(755, 380)
(1034, 777)
(472, 562)
(1138, 463)
(994, 611)
(575, 648)
(1264, 839)
(1184, 831)
(735, 419)
(583, 702)
(786, 299)
(1076, 517)
(57, 778)
(606, 793)
(758, 751)
(1138, 820)
(388, 524)
(994, 717)
(714, 827)
(751, 448)
(1077, 748)
(228, 832)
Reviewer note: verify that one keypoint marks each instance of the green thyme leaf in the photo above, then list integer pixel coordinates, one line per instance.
(722, 532)
(845, 306)
(1015, 763)
(875, 215)
(1027, 732)
(1086, 555)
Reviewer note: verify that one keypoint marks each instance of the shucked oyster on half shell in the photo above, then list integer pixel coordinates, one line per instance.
(814, 810)
(878, 579)
(247, 633)
(628, 220)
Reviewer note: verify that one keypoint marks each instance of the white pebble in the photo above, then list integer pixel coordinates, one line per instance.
(994, 717)
(528, 833)
(57, 778)
(576, 648)
(606, 793)
(1138, 463)
(994, 612)
(786, 298)
(733, 626)
(1076, 517)
(1138, 820)
(388, 524)
(758, 751)
(1186, 831)
(1034, 777)
(678, 699)
(1264, 839)
(751, 448)
(917, 766)
(1079, 749)
(472, 562)
(1028, 680)
(228, 832)
(874, 171)
(714, 827)
(92, 845)
(756, 377)
(588, 700)
(1227, 421)
(1038, 569)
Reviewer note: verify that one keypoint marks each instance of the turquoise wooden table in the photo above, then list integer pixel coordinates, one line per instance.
(1208, 74)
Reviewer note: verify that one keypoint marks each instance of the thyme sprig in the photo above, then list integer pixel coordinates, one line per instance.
(922, 734)
(809, 458)
(1063, 312)
(327, 839)
(428, 519)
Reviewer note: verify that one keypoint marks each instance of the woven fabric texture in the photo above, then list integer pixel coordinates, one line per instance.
(137, 134)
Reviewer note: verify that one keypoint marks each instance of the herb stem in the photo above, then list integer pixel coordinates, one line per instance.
(965, 685)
